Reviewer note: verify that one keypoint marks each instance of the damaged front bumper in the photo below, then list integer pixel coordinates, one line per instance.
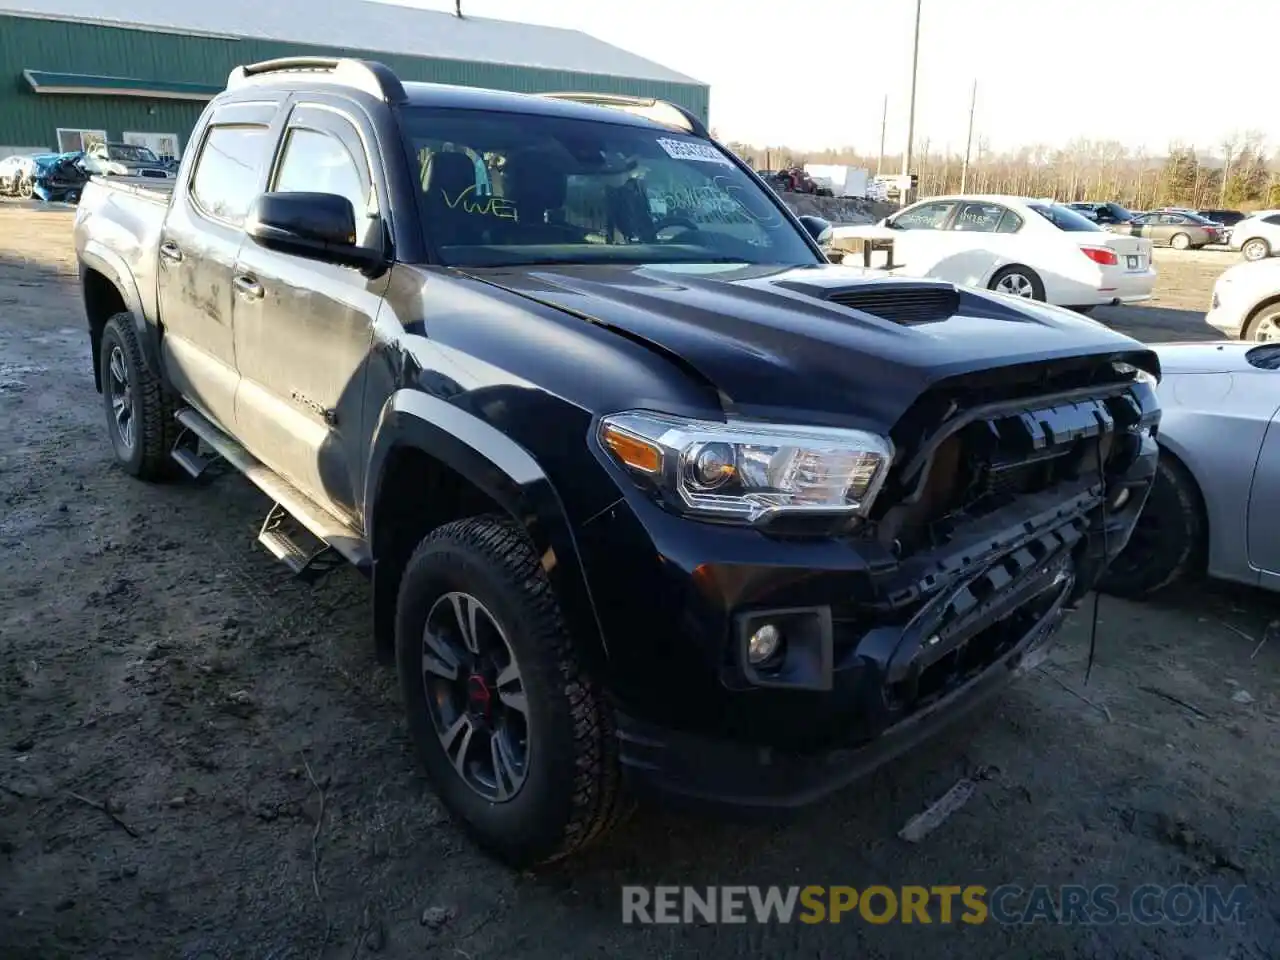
(881, 651)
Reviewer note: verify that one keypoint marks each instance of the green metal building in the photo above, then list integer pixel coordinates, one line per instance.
(72, 72)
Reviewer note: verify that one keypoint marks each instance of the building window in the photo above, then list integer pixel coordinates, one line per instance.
(164, 145)
(71, 141)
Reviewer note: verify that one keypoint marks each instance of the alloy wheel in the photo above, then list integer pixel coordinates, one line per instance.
(1016, 284)
(475, 695)
(1267, 328)
(121, 397)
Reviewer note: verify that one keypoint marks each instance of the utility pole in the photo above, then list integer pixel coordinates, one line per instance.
(884, 121)
(968, 143)
(911, 113)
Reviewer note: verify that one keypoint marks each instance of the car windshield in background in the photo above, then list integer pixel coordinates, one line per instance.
(128, 153)
(1064, 218)
(544, 189)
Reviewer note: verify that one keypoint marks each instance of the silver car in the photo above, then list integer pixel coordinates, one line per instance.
(1212, 509)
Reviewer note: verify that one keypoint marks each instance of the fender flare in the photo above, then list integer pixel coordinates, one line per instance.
(509, 475)
(96, 256)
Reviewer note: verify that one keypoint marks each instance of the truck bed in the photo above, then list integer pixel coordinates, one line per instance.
(118, 224)
(149, 188)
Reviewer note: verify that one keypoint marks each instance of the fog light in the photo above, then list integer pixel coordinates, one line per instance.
(1120, 499)
(763, 644)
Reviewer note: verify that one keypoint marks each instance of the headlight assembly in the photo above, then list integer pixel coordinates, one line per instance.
(746, 471)
(1134, 373)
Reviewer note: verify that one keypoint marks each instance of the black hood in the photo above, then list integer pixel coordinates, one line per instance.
(771, 341)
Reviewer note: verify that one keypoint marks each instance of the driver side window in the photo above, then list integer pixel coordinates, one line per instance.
(318, 162)
(927, 216)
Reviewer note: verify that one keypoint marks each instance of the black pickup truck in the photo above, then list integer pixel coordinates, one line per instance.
(651, 495)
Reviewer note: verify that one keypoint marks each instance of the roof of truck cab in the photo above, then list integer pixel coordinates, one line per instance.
(371, 26)
(450, 96)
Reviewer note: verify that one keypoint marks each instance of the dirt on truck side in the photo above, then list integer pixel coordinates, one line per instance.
(202, 759)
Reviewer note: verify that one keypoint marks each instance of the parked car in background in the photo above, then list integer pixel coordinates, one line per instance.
(1228, 218)
(1213, 506)
(125, 160)
(1030, 248)
(1182, 231)
(59, 177)
(1258, 235)
(1104, 214)
(1246, 301)
(15, 176)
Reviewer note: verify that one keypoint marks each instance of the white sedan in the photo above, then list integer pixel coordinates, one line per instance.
(1016, 245)
(1246, 301)
(1257, 236)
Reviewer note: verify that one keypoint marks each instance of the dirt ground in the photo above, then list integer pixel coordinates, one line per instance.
(200, 757)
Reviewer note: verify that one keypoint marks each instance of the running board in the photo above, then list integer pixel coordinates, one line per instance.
(288, 499)
(186, 453)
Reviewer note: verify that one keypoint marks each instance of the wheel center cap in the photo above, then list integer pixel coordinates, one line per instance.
(479, 696)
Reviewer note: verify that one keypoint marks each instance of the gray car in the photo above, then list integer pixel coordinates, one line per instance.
(1182, 231)
(1212, 509)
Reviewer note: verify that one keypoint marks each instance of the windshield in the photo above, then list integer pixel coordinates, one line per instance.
(498, 190)
(129, 153)
(1064, 218)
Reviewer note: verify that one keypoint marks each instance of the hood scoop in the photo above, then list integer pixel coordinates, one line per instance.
(906, 304)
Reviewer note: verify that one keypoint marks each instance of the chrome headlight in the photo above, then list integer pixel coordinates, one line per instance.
(749, 471)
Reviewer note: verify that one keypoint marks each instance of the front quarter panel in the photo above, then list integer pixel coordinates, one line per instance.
(1214, 424)
(505, 391)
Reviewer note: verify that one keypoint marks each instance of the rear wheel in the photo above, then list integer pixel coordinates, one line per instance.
(1180, 241)
(139, 411)
(514, 735)
(25, 188)
(1018, 281)
(1256, 249)
(1169, 539)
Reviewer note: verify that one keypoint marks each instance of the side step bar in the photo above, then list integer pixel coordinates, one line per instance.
(289, 503)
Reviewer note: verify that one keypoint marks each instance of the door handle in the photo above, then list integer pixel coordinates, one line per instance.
(170, 251)
(248, 287)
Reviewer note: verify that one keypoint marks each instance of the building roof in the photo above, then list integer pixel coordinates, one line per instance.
(369, 25)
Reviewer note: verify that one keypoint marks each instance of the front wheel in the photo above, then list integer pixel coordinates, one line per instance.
(25, 188)
(139, 410)
(1264, 326)
(1256, 249)
(516, 738)
(1018, 281)
(1168, 541)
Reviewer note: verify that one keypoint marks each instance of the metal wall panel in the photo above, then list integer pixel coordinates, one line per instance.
(28, 118)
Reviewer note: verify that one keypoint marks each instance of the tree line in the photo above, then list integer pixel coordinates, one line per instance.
(1239, 173)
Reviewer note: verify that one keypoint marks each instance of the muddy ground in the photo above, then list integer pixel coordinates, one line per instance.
(200, 757)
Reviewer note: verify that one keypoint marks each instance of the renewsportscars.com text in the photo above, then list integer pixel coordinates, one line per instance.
(972, 904)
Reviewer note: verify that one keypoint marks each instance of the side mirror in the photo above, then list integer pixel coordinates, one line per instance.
(319, 226)
(817, 228)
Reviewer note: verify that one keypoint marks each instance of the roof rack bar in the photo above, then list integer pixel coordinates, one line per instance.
(375, 79)
(660, 111)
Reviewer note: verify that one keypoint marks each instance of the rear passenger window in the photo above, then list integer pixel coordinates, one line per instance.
(1274, 219)
(978, 218)
(225, 181)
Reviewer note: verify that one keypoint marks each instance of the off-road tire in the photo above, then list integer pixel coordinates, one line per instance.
(1170, 541)
(572, 793)
(153, 407)
(1037, 285)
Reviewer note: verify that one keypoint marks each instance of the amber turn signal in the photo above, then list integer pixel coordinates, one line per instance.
(634, 452)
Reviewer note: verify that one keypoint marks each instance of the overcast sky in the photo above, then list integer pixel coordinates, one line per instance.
(1140, 71)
